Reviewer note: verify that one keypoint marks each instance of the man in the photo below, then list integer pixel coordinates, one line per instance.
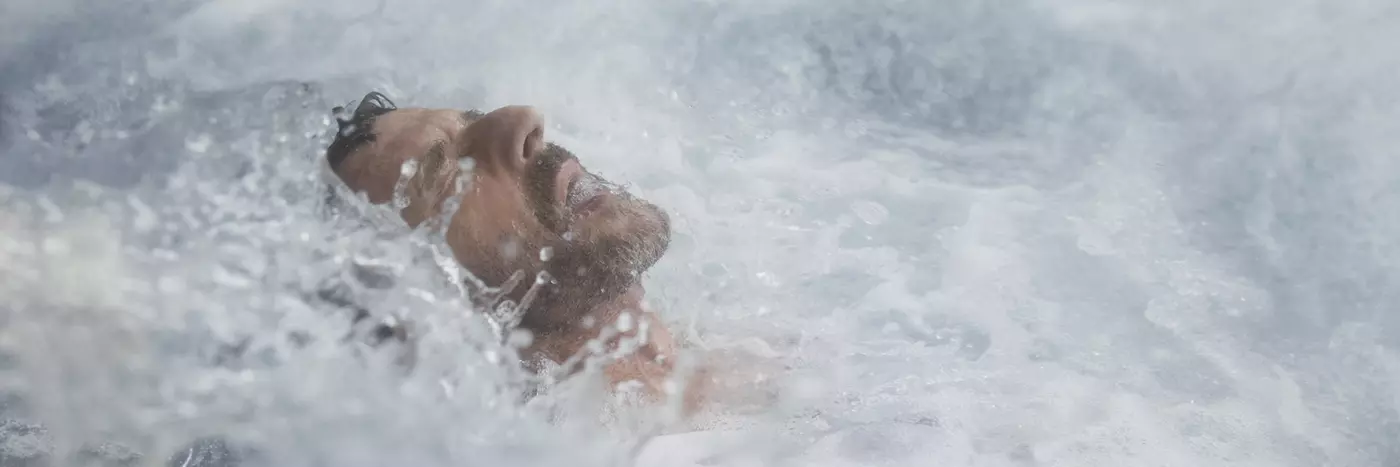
(530, 207)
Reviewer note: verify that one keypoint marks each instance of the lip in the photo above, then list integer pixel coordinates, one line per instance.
(590, 204)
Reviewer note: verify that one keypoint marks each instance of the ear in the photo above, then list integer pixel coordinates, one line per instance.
(433, 184)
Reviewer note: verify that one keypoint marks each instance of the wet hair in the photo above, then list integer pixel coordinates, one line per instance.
(357, 128)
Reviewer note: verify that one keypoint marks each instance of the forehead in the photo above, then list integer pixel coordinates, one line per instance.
(418, 124)
(411, 132)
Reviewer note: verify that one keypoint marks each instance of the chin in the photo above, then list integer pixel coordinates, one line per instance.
(607, 257)
(618, 244)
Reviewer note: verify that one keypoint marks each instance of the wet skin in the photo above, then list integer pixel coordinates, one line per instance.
(525, 195)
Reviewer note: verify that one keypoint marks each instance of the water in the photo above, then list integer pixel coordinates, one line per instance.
(982, 233)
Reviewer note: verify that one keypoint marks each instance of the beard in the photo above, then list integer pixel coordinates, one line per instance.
(596, 257)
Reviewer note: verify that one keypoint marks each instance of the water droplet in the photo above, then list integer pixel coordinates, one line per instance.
(767, 278)
(520, 338)
(409, 168)
(85, 132)
(510, 249)
(406, 173)
(145, 218)
(807, 389)
(170, 285)
(546, 253)
(52, 213)
(870, 212)
(341, 113)
(55, 246)
(624, 323)
(198, 144)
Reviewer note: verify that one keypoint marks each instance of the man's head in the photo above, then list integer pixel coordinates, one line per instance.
(529, 205)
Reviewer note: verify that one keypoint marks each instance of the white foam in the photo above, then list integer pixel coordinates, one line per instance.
(1045, 233)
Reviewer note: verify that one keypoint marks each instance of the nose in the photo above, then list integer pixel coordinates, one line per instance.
(509, 136)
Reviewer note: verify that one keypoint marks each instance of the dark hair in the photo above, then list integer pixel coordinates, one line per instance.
(356, 128)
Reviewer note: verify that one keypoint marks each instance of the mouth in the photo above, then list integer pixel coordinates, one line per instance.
(580, 192)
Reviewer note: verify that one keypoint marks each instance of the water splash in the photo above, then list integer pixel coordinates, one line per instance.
(1144, 207)
(406, 172)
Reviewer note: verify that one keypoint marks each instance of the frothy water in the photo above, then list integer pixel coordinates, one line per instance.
(991, 233)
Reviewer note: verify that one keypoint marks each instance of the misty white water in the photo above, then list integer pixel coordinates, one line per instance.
(982, 233)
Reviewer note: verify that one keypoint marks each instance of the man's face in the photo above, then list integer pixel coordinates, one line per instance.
(529, 206)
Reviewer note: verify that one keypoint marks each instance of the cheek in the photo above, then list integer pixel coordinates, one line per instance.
(493, 237)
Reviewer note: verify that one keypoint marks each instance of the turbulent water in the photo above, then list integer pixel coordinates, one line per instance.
(979, 232)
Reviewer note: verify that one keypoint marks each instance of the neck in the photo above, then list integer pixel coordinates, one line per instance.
(559, 342)
(652, 350)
